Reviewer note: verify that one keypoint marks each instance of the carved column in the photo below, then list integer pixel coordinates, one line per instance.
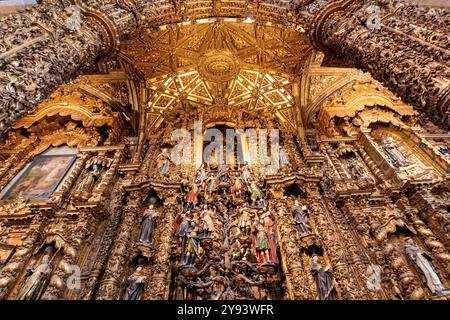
(378, 174)
(11, 272)
(116, 209)
(157, 288)
(356, 257)
(375, 160)
(433, 214)
(110, 284)
(75, 233)
(404, 46)
(60, 196)
(431, 241)
(335, 162)
(43, 47)
(105, 186)
(294, 268)
(402, 280)
(340, 249)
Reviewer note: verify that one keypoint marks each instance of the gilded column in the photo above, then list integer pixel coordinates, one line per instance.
(338, 247)
(431, 241)
(433, 212)
(116, 209)
(110, 283)
(11, 272)
(378, 174)
(45, 46)
(157, 288)
(294, 268)
(64, 276)
(356, 257)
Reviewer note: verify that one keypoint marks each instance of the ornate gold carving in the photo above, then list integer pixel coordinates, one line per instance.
(361, 196)
(218, 66)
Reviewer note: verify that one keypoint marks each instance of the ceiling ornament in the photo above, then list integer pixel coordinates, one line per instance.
(248, 90)
(176, 48)
(218, 66)
(225, 63)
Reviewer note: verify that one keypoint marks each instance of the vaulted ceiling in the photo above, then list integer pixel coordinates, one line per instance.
(179, 47)
(221, 62)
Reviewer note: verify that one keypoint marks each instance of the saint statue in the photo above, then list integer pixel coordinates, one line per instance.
(164, 162)
(181, 283)
(37, 280)
(191, 249)
(245, 221)
(324, 280)
(269, 228)
(89, 180)
(182, 227)
(136, 283)
(392, 152)
(211, 185)
(422, 260)
(148, 225)
(238, 188)
(262, 244)
(206, 216)
(255, 192)
(356, 170)
(223, 173)
(192, 197)
(301, 220)
(246, 172)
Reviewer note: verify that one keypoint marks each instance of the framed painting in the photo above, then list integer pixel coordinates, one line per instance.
(41, 178)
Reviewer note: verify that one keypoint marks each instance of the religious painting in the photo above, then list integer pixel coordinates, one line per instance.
(41, 178)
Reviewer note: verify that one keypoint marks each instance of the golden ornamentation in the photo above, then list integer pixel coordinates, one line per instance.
(218, 66)
(342, 202)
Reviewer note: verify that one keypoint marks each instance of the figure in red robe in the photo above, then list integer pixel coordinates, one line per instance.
(192, 197)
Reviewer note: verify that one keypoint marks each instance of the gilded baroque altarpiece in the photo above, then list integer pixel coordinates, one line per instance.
(356, 208)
